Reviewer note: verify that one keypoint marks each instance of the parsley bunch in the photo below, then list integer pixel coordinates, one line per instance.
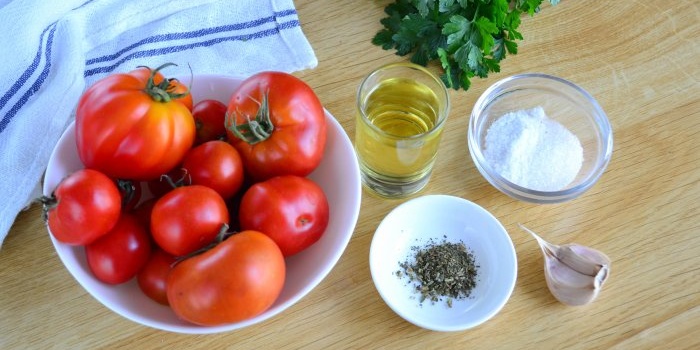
(468, 37)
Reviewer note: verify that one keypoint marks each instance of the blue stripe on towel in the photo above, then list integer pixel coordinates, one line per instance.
(193, 34)
(35, 86)
(178, 48)
(27, 72)
(46, 51)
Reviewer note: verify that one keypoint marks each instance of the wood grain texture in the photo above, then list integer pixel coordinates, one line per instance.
(638, 58)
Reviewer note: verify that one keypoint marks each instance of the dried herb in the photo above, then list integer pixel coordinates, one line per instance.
(441, 271)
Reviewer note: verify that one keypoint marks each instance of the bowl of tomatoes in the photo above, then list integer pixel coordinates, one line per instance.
(173, 274)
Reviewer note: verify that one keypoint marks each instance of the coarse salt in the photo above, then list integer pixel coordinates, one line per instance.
(532, 151)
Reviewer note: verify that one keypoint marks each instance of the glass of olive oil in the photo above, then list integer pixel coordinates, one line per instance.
(401, 111)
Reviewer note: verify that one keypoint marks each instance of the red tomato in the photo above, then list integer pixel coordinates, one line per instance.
(134, 125)
(118, 256)
(217, 165)
(209, 116)
(188, 218)
(83, 207)
(143, 212)
(292, 210)
(236, 280)
(277, 124)
(153, 276)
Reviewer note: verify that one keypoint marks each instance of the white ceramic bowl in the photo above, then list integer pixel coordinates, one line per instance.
(304, 270)
(452, 219)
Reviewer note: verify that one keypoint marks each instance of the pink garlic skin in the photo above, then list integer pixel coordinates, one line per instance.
(575, 274)
(571, 286)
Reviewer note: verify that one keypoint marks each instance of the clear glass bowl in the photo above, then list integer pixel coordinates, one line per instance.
(562, 101)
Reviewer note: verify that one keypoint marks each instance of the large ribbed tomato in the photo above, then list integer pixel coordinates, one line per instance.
(135, 125)
(277, 124)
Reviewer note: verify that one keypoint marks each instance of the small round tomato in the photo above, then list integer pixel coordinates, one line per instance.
(217, 165)
(118, 256)
(187, 219)
(277, 124)
(236, 280)
(209, 117)
(153, 276)
(84, 206)
(292, 210)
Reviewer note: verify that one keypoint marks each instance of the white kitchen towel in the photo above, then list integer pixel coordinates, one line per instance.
(53, 50)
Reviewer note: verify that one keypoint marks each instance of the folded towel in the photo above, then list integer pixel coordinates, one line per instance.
(55, 49)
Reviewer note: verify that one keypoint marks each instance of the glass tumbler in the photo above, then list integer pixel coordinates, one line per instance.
(401, 112)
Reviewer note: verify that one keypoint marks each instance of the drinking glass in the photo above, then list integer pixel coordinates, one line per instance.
(401, 112)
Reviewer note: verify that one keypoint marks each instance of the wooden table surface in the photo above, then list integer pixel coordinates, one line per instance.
(638, 58)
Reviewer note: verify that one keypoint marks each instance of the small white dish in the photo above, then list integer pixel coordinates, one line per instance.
(443, 218)
(304, 270)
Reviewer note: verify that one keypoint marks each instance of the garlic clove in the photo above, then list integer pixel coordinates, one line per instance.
(570, 286)
(585, 260)
(575, 274)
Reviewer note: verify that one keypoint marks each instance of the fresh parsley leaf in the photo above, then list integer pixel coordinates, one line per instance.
(424, 6)
(499, 50)
(456, 30)
(446, 5)
(445, 63)
(413, 28)
(511, 46)
(468, 37)
(486, 29)
(499, 12)
(511, 25)
(474, 58)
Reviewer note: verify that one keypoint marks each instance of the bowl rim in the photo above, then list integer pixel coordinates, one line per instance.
(603, 129)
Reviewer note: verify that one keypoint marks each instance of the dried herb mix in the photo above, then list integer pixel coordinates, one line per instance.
(441, 271)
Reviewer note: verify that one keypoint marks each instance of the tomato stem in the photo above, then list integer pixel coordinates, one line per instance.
(48, 203)
(129, 189)
(254, 130)
(165, 90)
(220, 237)
(185, 180)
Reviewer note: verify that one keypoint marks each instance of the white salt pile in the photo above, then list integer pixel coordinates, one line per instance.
(533, 151)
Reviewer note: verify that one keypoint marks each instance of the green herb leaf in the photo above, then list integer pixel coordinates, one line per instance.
(456, 30)
(499, 50)
(446, 5)
(511, 46)
(445, 63)
(486, 29)
(468, 37)
(424, 6)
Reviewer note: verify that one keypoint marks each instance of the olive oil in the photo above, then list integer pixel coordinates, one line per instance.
(396, 136)
(402, 107)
